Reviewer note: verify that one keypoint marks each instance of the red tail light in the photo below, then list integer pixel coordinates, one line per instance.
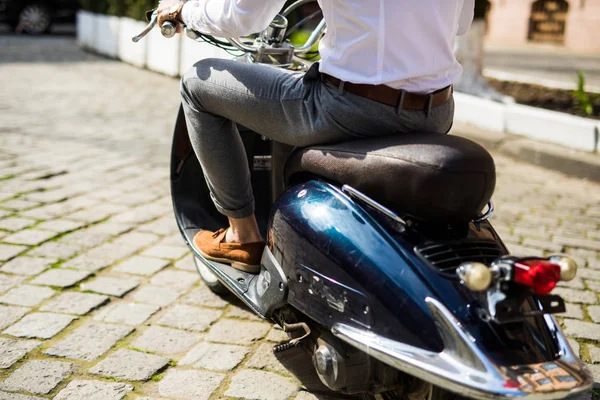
(540, 276)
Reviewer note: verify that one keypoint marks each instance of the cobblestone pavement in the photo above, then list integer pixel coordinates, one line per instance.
(98, 295)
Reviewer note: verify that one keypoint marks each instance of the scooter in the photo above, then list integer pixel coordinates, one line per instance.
(380, 259)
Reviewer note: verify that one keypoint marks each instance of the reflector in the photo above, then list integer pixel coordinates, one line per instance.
(540, 276)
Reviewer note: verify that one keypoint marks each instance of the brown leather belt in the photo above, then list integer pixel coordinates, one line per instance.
(392, 97)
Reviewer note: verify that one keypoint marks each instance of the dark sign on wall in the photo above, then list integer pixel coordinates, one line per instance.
(548, 21)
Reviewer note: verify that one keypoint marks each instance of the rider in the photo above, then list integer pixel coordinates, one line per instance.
(386, 68)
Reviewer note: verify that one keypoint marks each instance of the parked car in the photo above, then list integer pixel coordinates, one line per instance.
(37, 16)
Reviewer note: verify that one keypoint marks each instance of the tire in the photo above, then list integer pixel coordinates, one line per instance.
(35, 19)
(209, 278)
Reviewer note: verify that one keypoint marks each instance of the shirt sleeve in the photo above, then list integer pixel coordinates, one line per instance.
(466, 17)
(230, 18)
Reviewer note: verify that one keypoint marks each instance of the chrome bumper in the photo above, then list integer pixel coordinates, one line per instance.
(464, 369)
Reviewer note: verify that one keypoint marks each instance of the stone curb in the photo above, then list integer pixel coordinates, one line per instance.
(531, 122)
(580, 164)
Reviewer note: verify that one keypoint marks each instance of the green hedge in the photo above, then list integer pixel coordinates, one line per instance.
(122, 8)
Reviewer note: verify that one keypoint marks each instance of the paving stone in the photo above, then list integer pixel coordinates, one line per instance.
(27, 265)
(221, 357)
(237, 332)
(111, 252)
(84, 239)
(543, 244)
(576, 283)
(577, 296)
(111, 228)
(60, 225)
(29, 237)
(188, 317)
(60, 277)
(40, 325)
(15, 396)
(277, 335)
(304, 395)
(86, 263)
(148, 398)
(55, 250)
(582, 330)
(89, 342)
(578, 242)
(594, 312)
(136, 239)
(523, 251)
(260, 385)
(202, 296)
(588, 274)
(197, 385)
(573, 311)
(38, 377)
(15, 224)
(264, 358)
(130, 365)
(27, 295)
(111, 286)
(166, 251)
(129, 313)
(18, 205)
(9, 251)
(186, 263)
(75, 303)
(93, 390)
(9, 281)
(141, 266)
(594, 353)
(12, 351)
(89, 216)
(575, 346)
(10, 314)
(238, 310)
(174, 278)
(157, 295)
(595, 370)
(165, 341)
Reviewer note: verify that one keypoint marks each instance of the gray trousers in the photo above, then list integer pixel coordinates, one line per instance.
(291, 108)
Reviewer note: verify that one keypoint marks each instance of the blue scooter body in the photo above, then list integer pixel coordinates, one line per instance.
(345, 268)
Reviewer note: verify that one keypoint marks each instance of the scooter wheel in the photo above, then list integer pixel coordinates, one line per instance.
(210, 279)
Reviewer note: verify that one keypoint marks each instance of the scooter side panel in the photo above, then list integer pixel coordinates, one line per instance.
(343, 267)
(314, 227)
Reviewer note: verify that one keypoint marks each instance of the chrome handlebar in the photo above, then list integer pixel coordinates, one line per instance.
(168, 30)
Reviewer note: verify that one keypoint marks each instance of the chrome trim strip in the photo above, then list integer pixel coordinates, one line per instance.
(487, 214)
(364, 198)
(463, 368)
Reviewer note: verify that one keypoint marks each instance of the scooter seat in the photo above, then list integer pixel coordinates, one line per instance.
(429, 177)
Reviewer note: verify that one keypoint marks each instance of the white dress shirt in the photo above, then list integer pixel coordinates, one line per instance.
(405, 44)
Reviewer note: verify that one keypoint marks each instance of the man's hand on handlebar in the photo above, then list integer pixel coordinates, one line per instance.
(165, 8)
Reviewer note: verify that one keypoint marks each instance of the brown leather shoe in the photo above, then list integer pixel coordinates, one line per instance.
(245, 257)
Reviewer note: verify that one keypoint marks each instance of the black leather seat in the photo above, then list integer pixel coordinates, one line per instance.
(428, 177)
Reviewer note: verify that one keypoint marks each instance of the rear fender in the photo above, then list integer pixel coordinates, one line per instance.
(348, 273)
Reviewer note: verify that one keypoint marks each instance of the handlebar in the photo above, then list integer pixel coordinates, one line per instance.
(271, 42)
(168, 30)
